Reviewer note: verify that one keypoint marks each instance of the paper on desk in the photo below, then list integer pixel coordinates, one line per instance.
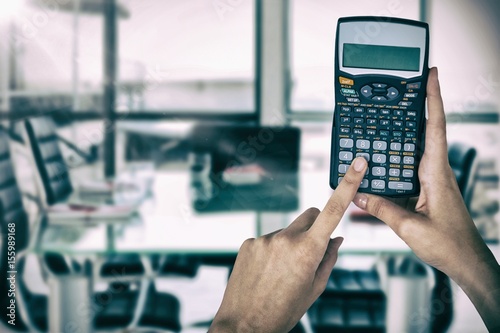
(69, 213)
(96, 187)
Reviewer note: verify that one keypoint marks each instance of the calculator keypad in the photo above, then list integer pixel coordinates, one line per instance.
(382, 133)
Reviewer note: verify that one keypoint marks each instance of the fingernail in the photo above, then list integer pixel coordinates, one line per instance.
(360, 200)
(359, 164)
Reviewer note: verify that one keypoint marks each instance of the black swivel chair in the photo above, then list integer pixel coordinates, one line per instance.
(57, 185)
(119, 311)
(160, 310)
(463, 162)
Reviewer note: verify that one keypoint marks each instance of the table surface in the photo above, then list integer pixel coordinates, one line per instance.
(167, 223)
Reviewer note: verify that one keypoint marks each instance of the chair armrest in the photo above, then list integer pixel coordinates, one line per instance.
(23, 311)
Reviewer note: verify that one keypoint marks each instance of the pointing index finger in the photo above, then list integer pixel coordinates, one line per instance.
(330, 216)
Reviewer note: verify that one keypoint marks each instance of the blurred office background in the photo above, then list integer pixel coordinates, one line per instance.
(130, 84)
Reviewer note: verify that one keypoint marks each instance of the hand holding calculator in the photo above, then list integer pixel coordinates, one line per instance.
(381, 70)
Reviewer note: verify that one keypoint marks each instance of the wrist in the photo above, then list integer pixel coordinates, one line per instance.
(229, 326)
(484, 292)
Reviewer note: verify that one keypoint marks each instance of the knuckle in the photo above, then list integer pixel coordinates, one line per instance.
(405, 230)
(350, 179)
(280, 238)
(248, 243)
(335, 208)
(379, 208)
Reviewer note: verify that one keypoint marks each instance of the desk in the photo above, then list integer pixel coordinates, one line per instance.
(166, 223)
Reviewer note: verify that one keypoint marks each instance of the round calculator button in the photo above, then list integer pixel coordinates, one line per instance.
(392, 93)
(378, 171)
(343, 168)
(379, 158)
(408, 173)
(362, 144)
(366, 91)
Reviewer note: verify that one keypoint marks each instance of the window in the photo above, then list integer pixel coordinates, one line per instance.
(55, 57)
(465, 47)
(463, 44)
(313, 27)
(187, 55)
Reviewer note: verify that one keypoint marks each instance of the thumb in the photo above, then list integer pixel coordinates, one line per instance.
(387, 211)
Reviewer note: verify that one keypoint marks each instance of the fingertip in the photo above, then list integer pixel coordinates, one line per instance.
(337, 241)
(433, 87)
(360, 200)
(359, 164)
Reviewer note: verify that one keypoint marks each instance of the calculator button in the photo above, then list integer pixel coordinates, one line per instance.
(345, 130)
(339, 180)
(359, 121)
(395, 159)
(384, 133)
(408, 160)
(359, 110)
(346, 143)
(410, 134)
(411, 113)
(371, 121)
(353, 100)
(398, 123)
(392, 93)
(348, 91)
(378, 171)
(409, 147)
(408, 173)
(364, 183)
(371, 132)
(397, 134)
(343, 168)
(380, 145)
(364, 155)
(358, 131)
(379, 158)
(394, 172)
(398, 113)
(366, 91)
(345, 120)
(395, 146)
(385, 112)
(378, 184)
(414, 85)
(372, 111)
(411, 124)
(363, 144)
(379, 85)
(345, 109)
(379, 98)
(404, 103)
(345, 156)
(411, 95)
(385, 122)
(400, 186)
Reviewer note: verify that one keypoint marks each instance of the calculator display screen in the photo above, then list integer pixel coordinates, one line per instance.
(381, 57)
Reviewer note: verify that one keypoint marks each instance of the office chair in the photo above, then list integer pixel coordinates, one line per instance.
(463, 162)
(57, 185)
(159, 310)
(12, 211)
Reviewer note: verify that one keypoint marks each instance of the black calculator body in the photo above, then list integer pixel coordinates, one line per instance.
(381, 70)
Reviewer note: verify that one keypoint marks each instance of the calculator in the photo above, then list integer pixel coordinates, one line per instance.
(381, 70)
